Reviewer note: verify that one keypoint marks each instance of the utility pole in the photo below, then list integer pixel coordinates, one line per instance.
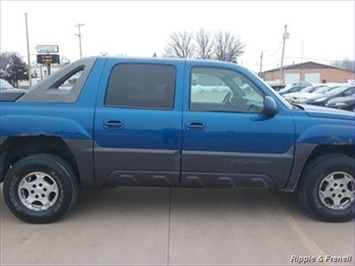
(79, 35)
(286, 35)
(261, 63)
(28, 53)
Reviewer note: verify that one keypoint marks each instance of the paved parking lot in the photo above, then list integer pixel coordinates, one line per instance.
(162, 226)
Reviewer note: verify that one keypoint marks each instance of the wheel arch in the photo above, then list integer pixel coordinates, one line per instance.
(15, 148)
(305, 153)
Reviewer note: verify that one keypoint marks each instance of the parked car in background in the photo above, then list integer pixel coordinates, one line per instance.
(276, 85)
(294, 96)
(4, 85)
(345, 103)
(8, 92)
(350, 81)
(294, 87)
(302, 96)
(342, 91)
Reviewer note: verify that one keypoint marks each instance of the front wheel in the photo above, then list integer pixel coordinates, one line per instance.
(327, 188)
(40, 188)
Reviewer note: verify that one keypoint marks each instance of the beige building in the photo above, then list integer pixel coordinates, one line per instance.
(308, 71)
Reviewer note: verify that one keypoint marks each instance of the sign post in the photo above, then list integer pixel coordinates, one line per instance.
(49, 69)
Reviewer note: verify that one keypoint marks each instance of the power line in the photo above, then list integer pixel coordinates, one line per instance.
(276, 61)
(297, 57)
(309, 58)
(278, 49)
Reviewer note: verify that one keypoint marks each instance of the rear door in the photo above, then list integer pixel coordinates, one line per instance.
(138, 123)
(227, 140)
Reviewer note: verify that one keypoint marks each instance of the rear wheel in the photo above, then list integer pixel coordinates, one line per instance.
(40, 188)
(327, 188)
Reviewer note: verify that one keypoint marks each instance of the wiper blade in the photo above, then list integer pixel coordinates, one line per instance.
(297, 106)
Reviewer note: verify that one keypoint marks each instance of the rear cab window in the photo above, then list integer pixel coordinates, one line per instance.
(141, 86)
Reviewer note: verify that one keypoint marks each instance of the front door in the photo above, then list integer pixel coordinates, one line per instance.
(227, 140)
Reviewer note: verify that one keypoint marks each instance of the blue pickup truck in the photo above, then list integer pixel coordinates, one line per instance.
(104, 121)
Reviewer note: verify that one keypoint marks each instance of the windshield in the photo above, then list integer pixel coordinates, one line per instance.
(4, 85)
(311, 89)
(308, 89)
(338, 90)
(323, 89)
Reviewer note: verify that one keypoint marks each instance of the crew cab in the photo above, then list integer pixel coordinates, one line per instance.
(106, 121)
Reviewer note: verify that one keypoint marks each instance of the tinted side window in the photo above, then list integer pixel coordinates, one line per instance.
(141, 86)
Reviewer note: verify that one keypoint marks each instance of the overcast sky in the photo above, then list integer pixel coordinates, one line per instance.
(319, 30)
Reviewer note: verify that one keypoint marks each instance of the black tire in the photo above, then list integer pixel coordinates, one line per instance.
(40, 188)
(327, 188)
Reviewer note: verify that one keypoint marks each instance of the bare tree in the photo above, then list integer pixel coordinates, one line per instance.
(344, 64)
(204, 41)
(228, 47)
(180, 45)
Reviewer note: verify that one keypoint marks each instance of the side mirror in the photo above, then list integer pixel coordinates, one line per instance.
(270, 107)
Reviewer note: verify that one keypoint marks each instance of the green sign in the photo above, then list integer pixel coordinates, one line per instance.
(47, 48)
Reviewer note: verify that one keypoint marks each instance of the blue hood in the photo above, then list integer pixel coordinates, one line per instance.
(319, 111)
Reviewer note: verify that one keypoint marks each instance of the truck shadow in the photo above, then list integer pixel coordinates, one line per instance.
(122, 201)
